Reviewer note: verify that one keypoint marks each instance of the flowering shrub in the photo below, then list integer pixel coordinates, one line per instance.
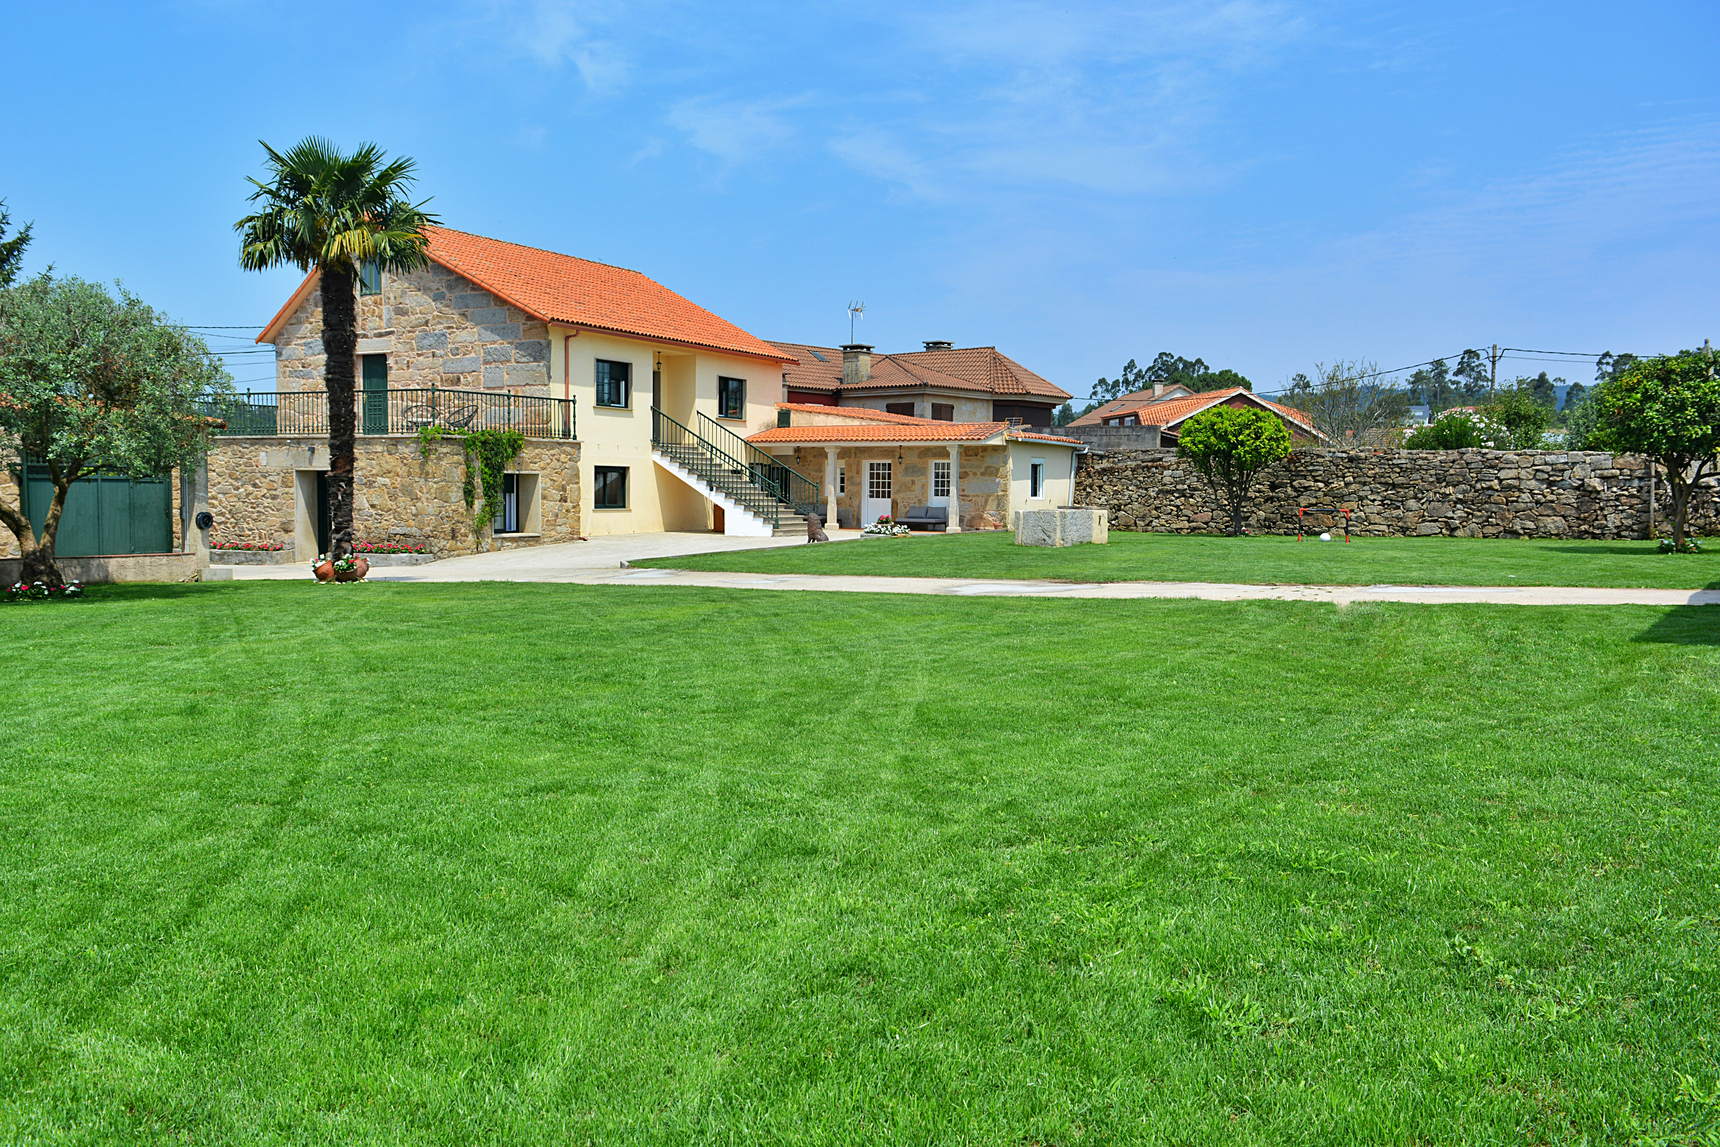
(886, 526)
(267, 547)
(1690, 546)
(389, 548)
(1458, 430)
(42, 591)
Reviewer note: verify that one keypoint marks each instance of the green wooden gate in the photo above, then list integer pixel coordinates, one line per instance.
(106, 514)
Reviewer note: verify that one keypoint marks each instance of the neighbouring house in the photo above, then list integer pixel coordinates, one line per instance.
(876, 463)
(1158, 413)
(634, 403)
(943, 382)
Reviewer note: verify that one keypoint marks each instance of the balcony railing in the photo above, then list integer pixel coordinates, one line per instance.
(304, 413)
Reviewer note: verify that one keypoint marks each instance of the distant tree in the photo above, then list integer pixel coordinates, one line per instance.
(1668, 408)
(334, 212)
(1521, 416)
(1347, 401)
(1169, 370)
(91, 382)
(1232, 447)
(1574, 395)
(1064, 416)
(1431, 386)
(11, 250)
(1582, 418)
(1542, 389)
(1609, 366)
(1472, 375)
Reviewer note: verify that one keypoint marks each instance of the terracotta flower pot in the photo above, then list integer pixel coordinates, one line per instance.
(358, 572)
(324, 572)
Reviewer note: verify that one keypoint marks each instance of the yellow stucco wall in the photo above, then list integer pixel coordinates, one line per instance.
(611, 436)
(1059, 485)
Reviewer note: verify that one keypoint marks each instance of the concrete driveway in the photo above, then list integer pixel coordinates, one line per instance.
(568, 561)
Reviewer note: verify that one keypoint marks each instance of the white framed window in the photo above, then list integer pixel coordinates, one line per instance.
(878, 481)
(940, 479)
(842, 479)
(1036, 478)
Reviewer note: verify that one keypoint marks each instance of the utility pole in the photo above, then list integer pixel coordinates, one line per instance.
(1493, 370)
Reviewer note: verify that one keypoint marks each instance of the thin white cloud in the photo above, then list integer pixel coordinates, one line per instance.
(733, 130)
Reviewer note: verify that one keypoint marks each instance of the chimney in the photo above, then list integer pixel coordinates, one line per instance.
(856, 363)
(939, 344)
(1158, 390)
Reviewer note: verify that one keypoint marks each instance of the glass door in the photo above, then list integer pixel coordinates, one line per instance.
(877, 499)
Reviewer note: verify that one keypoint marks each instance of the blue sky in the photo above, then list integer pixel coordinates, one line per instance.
(1263, 185)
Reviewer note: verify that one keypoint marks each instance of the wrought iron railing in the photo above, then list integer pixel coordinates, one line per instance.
(393, 411)
(750, 485)
(788, 485)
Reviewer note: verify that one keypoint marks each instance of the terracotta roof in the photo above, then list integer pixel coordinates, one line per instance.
(578, 292)
(1041, 436)
(923, 430)
(963, 368)
(1167, 412)
(865, 413)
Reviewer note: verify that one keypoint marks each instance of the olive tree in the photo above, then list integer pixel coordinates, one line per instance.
(1667, 408)
(91, 382)
(1232, 447)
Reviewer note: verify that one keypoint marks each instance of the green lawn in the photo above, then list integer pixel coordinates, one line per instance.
(548, 864)
(1255, 560)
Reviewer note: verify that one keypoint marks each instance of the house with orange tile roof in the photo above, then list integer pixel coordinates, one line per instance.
(971, 475)
(942, 382)
(504, 334)
(1166, 409)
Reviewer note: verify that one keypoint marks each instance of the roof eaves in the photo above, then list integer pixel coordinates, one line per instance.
(292, 304)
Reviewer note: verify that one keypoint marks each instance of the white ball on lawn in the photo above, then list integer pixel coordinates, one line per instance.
(1325, 537)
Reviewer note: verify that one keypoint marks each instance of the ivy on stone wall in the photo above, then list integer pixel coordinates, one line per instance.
(486, 453)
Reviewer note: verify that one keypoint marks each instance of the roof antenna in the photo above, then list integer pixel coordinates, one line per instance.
(856, 310)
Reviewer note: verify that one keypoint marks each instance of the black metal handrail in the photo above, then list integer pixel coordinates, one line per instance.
(396, 410)
(789, 485)
(717, 468)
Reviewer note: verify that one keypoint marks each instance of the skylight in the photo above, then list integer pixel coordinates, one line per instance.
(817, 356)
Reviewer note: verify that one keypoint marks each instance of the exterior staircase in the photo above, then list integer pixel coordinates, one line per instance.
(757, 492)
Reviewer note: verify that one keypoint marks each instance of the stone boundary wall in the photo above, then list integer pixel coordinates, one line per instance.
(398, 495)
(1402, 493)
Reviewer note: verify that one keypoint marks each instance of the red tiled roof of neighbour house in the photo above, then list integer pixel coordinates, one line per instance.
(578, 292)
(860, 412)
(1170, 411)
(1127, 404)
(962, 368)
(806, 372)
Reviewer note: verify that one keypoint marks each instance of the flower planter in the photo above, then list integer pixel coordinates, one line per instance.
(360, 568)
(324, 571)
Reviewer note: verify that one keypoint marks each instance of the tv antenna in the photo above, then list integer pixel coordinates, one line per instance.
(856, 310)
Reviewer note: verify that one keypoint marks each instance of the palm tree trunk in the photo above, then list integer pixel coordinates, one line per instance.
(340, 345)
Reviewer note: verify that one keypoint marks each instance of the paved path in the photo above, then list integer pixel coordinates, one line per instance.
(1209, 591)
(599, 562)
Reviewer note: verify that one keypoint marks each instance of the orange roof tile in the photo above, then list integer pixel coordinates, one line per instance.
(1168, 412)
(1040, 436)
(925, 430)
(578, 292)
(980, 368)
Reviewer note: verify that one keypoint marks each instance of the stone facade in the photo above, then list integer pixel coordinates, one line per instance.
(259, 491)
(1395, 493)
(437, 329)
(984, 479)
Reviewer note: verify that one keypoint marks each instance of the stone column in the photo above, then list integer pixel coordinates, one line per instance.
(830, 487)
(955, 526)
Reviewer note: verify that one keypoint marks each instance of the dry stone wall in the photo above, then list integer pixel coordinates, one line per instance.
(399, 494)
(1397, 493)
(437, 329)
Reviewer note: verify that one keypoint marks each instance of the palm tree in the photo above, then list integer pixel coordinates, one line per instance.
(333, 213)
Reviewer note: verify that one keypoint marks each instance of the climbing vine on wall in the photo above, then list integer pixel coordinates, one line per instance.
(487, 453)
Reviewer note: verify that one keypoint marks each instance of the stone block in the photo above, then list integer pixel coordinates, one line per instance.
(484, 316)
(465, 364)
(499, 332)
(493, 376)
(499, 353)
(1081, 525)
(531, 350)
(431, 340)
(470, 299)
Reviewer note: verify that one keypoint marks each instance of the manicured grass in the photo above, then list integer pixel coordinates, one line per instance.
(549, 864)
(1269, 560)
